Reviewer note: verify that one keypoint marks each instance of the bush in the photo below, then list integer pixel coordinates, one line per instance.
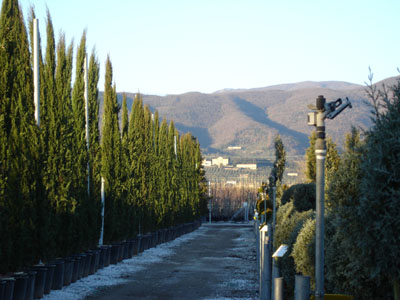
(289, 224)
(302, 196)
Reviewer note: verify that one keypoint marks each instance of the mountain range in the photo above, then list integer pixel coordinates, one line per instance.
(250, 118)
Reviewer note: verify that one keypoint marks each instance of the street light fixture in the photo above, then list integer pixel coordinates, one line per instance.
(321, 111)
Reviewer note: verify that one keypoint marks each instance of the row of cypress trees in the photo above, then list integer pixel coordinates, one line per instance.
(50, 181)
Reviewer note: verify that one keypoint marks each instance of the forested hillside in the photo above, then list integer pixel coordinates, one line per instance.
(251, 118)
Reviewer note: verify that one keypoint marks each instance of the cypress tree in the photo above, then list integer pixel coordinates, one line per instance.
(80, 177)
(310, 158)
(279, 166)
(172, 174)
(136, 137)
(124, 121)
(125, 168)
(60, 158)
(94, 151)
(19, 161)
(149, 159)
(110, 160)
(331, 161)
(166, 211)
(379, 207)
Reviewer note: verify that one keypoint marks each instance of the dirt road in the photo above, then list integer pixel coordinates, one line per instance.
(219, 264)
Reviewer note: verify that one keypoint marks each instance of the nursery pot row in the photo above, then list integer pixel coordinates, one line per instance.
(40, 279)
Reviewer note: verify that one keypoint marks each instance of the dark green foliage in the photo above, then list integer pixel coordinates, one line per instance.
(19, 136)
(94, 202)
(280, 158)
(289, 223)
(331, 161)
(310, 158)
(50, 181)
(302, 195)
(304, 251)
(379, 205)
(111, 160)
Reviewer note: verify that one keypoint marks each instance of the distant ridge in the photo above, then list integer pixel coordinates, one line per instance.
(250, 118)
(334, 85)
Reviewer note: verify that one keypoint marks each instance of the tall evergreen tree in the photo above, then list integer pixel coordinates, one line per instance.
(19, 155)
(311, 158)
(111, 158)
(94, 150)
(280, 158)
(331, 161)
(166, 214)
(60, 158)
(379, 207)
(80, 177)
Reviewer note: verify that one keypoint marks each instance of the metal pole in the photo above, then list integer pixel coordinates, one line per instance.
(210, 203)
(302, 287)
(278, 288)
(265, 282)
(275, 268)
(274, 207)
(102, 212)
(86, 96)
(320, 152)
(36, 75)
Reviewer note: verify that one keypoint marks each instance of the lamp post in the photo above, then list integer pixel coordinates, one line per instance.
(322, 110)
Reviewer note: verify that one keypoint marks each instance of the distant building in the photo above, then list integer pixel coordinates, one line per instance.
(206, 163)
(220, 161)
(247, 166)
(231, 182)
(234, 148)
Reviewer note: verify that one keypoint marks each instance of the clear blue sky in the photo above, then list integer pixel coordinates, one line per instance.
(177, 46)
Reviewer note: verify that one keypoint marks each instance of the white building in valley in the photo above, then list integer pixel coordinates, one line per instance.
(220, 161)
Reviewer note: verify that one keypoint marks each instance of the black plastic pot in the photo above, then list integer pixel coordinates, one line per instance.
(75, 268)
(140, 244)
(8, 292)
(153, 239)
(58, 277)
(21, 283)
(49, 278)
(107, 260)
(68, 270)
(121, 251)
(94, 262)
(135, 246)
(81, 265)
(126, 250)
(114, 254)
(2, 288)
(30, 289)
(41, 274)
(88, 260)
(102, 256)
(146, 241)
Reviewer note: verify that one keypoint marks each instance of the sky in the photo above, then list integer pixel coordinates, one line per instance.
(177, 46)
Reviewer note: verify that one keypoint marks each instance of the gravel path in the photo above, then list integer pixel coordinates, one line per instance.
(216, 262)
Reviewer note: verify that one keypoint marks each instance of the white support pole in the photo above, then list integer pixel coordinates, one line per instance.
(176, 154)
(36, 83)
(209, 202)
(86, 96)
(102, 212)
